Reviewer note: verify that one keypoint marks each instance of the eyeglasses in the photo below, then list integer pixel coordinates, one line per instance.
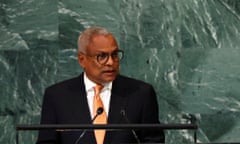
(103, 57)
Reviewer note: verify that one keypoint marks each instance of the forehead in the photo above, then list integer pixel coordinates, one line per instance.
(102, 43)
(103, 39)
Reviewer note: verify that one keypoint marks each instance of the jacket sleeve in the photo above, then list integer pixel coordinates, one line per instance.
(150, 116)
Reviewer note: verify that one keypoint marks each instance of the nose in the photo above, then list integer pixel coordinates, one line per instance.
(110, 61)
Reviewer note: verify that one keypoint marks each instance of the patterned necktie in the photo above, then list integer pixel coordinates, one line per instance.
(100, 119)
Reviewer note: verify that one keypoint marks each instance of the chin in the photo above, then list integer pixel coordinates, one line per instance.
(109, 79)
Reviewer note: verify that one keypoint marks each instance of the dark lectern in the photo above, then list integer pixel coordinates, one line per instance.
(113, 127)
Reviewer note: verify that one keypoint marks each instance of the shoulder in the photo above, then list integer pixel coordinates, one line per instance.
(71, 83)
(134, 89)
(131, 83)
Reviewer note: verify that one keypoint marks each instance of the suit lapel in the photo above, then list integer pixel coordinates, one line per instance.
(117, 103)
(79, 104)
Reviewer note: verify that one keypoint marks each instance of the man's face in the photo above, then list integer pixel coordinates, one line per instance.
(100, 73)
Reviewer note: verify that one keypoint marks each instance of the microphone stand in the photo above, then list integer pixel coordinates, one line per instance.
(123, 113)
(99, 111)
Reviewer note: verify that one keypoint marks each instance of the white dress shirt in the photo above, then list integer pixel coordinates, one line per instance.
(105, 94)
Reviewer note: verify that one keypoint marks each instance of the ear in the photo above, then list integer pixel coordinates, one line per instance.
(81, 59)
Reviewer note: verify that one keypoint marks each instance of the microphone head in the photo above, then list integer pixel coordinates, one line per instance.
(122, 112)
(99, 110)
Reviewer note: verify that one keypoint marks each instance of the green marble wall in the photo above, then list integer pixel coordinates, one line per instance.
(188, 49)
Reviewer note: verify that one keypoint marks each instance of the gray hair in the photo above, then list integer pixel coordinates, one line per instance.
(85, 38)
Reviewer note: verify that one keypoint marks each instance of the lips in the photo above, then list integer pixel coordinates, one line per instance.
(109, 72)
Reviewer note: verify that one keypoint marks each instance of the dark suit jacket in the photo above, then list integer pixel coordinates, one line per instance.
(66, 103)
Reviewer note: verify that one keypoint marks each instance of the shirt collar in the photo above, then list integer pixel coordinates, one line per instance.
(90, 84)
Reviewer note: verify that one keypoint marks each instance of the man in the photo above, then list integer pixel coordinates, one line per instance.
(122, 99)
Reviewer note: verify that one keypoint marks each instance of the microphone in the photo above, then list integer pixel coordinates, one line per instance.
(99, 112)
(123, 113)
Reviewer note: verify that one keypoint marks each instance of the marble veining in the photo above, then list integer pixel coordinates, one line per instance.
(188, 50)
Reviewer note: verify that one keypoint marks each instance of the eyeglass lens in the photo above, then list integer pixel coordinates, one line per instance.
(116, 56)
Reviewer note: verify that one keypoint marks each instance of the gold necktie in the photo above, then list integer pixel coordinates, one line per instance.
(100, 119)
